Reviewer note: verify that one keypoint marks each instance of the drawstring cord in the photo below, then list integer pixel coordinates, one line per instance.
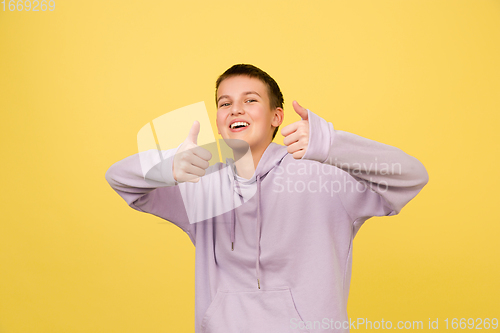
(232, 231)
(233, 216)
(257, 263)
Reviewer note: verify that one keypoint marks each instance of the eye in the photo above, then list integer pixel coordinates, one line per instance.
(252, 100)
(223, 104)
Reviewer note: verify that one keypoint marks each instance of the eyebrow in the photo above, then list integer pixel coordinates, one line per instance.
(245, 93)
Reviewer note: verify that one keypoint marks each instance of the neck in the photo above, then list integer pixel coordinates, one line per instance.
(246, 161)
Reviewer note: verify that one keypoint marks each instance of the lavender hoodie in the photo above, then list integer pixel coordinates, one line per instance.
(280, 259)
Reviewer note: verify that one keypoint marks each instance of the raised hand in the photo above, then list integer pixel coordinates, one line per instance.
(191, 160)
(297, 134)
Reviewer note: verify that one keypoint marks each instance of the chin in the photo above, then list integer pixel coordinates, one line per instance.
(237, 144)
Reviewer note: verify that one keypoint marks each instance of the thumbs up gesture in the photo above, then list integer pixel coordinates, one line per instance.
(191, 160)
(297, 134)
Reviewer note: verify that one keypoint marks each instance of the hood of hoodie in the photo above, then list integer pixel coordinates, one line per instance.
(244, 189)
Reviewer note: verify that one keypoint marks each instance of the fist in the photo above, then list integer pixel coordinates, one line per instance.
(191, 160)
(297, 134)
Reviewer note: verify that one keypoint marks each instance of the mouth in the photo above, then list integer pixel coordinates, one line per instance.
(238, 126)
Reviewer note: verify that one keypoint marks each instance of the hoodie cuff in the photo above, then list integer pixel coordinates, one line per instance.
(320, 138)
(167, 167)
(166, 172)
(156, 170)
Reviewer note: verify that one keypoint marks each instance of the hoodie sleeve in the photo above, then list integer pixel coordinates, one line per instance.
(379, 179)
(146, 183)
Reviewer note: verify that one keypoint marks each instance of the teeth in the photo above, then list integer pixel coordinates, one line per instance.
(238, 123)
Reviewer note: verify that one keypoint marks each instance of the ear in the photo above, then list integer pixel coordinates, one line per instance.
(278, 117)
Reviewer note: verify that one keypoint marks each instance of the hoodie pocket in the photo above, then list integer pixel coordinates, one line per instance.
(260, 311)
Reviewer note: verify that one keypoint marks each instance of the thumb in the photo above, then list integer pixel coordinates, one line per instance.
(302, 112)
(193, 132)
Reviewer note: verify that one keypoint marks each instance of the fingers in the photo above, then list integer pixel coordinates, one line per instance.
(202, 153)
(291, 138)
(193, 138)
(190, 165)
(191, 160)
(301, 133)
(287, 130)
(298, 154)
(296, 135)
(197, 161)
(190, 173)
(193, 132)
(301, 111)
(191, 179)
(194, 170)
(295, 147)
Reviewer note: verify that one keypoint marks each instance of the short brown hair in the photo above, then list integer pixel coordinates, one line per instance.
(273, 90)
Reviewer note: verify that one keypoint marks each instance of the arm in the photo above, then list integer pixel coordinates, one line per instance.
(391, 177)
(146, 184)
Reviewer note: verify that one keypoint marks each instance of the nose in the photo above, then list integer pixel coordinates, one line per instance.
(237, 109)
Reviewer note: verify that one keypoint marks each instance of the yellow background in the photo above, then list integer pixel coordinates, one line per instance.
(78, 83)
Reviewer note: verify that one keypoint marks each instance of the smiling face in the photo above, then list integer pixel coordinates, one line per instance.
(245, 100)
